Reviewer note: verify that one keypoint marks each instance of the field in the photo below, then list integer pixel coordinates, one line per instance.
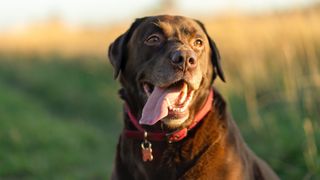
(60, 115)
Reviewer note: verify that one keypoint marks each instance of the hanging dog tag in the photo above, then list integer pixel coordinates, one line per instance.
(146, 151)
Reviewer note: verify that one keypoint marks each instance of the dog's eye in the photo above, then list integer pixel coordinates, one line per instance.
(154, 39)
(198, 43)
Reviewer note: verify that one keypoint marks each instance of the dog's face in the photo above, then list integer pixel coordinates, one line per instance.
(167, 65)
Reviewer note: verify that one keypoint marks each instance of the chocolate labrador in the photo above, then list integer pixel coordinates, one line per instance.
(176, 125)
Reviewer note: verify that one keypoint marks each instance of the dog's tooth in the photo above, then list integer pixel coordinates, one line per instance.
(170, 107)
(146, 89)
(184, 108)
(168, 102)
(184, 93)
(188, 100)
(186, 104)
(183, 97)
(190, 96)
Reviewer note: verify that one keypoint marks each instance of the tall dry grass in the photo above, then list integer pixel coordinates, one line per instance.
(274, 61)
(54, 36)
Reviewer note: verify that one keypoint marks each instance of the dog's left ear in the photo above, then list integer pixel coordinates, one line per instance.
(215, 55)
(117, 52)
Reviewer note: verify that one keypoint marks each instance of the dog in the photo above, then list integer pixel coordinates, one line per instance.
(176, 125)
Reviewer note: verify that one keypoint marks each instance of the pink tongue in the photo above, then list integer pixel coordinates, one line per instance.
(156, 107)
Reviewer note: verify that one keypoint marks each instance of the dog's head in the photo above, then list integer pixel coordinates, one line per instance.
(166, 66)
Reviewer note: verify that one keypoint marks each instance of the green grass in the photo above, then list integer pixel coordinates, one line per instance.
(60, 119)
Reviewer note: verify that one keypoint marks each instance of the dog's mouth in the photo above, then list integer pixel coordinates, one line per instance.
(170, 103)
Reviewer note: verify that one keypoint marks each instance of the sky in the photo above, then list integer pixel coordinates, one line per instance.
(21, 12)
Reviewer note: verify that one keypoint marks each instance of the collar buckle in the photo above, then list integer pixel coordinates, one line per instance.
(177, 135)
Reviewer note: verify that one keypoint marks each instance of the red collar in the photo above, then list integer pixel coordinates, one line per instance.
(175, 136)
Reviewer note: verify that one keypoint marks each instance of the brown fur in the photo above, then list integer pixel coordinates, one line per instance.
(214, 149)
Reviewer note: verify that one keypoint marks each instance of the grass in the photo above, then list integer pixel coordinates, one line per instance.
(60, 115)
(58, 119)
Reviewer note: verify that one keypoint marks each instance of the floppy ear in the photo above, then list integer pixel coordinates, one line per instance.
(215, 55)
(117, 52)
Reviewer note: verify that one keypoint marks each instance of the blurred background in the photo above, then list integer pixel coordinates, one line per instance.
(60, 115)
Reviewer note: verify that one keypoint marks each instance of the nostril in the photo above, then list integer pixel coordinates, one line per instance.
(192, 61)
(180, 59)
(177, 58)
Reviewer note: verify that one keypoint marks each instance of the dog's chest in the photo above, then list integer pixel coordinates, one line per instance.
(170, 161)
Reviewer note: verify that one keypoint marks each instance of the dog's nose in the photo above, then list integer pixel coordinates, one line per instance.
(184, 59)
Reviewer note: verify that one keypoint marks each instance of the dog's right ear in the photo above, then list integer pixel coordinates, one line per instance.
(117, 52)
